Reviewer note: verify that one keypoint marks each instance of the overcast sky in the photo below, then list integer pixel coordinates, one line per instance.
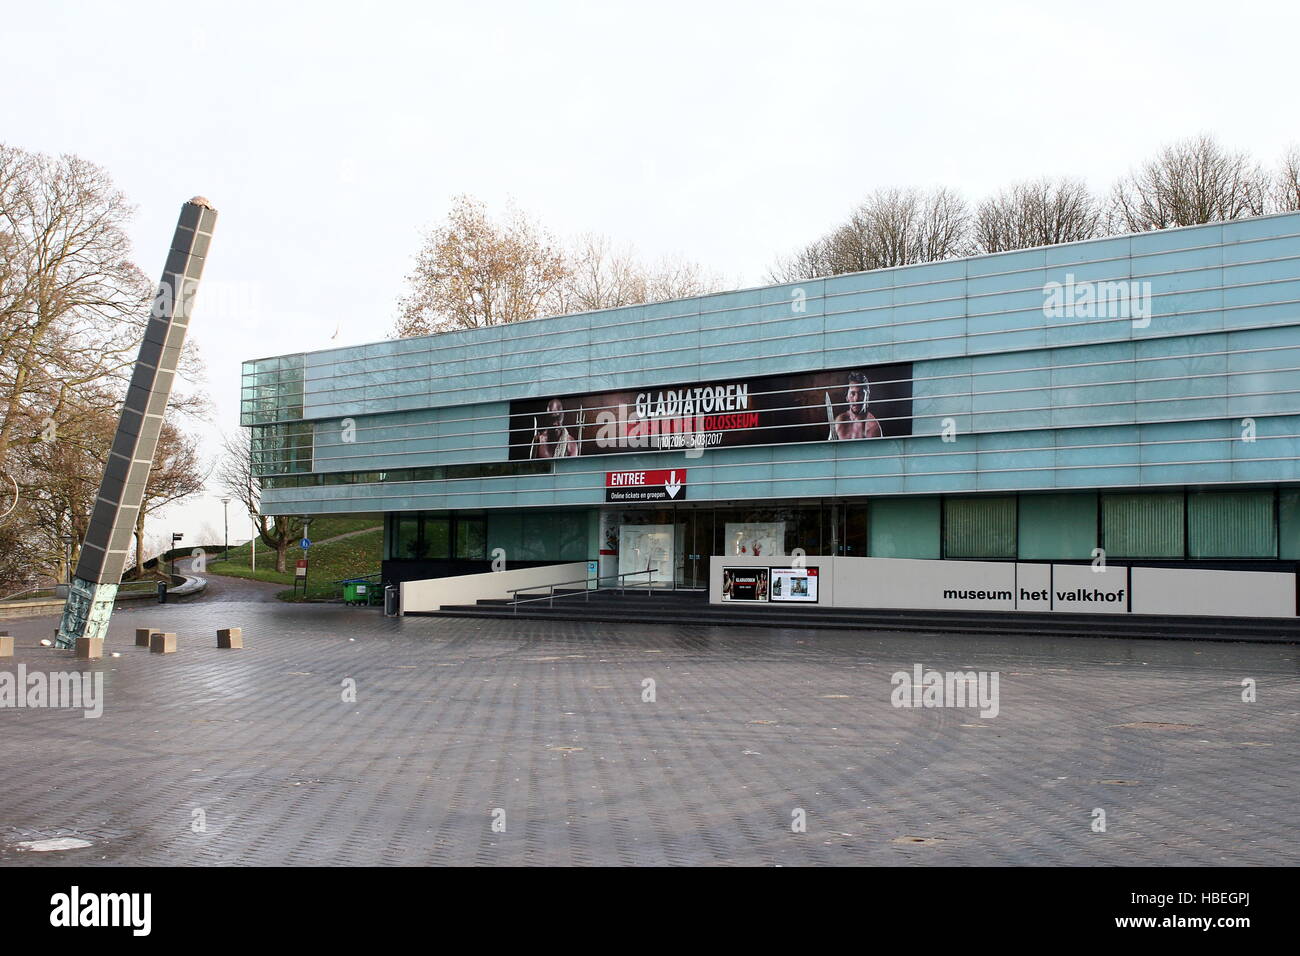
(329, 135)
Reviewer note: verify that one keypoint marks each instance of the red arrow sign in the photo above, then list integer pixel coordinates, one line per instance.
(644, 479)
(664, 484)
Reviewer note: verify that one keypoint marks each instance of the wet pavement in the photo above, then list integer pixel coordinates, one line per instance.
(254, 756)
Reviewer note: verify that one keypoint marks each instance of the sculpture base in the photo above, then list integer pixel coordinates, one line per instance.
(87, 612)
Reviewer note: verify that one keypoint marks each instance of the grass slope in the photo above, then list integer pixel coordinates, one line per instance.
(331, 561)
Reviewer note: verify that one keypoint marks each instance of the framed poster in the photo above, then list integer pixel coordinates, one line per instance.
(794, 585)
(744, 584)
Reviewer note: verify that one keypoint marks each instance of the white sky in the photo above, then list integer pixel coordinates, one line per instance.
(329, 135)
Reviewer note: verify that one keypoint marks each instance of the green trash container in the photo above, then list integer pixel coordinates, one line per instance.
(356, 592)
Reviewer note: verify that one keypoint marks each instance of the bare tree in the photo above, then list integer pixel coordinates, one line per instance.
(673, 277)
(1286, 184)
(59, 480)
(1189, 182)
(892, 227)
(73, 307)
(1040, 212)
(604, 276)
(473, 272)
(942, 230)
(813, 260)
(238, 477)
(600, 276)
(72, 304)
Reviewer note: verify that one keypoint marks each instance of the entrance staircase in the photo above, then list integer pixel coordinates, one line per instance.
(692, 608)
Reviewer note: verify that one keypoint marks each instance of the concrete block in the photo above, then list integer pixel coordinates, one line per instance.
(162, 643)
(89, 648)
(6, 646)
(142, 636)
(230, 637)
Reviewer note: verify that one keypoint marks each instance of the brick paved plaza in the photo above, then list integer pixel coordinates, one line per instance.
(455, 718)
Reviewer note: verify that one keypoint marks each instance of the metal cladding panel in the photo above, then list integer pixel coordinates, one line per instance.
(113, 565)
(149, 431)
(91, 561)
(124, 441)
(120, 542)
(149, 357)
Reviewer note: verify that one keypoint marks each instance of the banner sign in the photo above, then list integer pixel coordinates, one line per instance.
(841, 405)
(663, 485)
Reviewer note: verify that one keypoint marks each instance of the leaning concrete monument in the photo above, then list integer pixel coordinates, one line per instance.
(103, 553)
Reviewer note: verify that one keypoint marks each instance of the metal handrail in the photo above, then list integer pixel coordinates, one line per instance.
(586, 592)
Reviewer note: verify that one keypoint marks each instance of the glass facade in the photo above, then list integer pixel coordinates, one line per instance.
(281, 455)
(282, 449)
(271, 390)
(1034, 433)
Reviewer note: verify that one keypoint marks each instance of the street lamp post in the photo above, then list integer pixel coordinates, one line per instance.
(67, 558)
(225, 520)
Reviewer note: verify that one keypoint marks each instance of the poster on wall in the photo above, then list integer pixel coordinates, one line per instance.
(797, 585)
(873, 401)
(754, 539)
(744, 584)
(646, 545)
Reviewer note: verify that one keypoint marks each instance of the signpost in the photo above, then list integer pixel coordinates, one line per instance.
(301, 570)
(666, 484)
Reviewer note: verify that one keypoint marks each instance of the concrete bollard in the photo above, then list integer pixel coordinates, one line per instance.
(6, 644)
(230, 637)
(142, 636)
(162, 643)
(89, 648)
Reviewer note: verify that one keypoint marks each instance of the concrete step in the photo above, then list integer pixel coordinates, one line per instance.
(685, 608)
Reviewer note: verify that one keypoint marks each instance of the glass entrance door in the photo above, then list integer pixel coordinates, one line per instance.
(694, 545)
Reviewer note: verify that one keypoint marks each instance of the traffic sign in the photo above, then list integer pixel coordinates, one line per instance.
(305, 543)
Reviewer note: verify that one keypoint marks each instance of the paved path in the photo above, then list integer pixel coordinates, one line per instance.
(226, 588)
(455, 719)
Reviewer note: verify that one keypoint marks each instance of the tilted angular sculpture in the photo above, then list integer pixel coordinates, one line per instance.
(103, 553)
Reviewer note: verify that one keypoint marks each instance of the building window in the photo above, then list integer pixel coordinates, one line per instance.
(1231, 524)
(1057, 527)
(471, 538)
(1142, 525)
(904, 528)
(437, 537)
(283, 449)
(271, 390)
(979, 527)
(406, 537)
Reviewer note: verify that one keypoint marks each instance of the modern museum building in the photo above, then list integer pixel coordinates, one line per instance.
(1134, 399)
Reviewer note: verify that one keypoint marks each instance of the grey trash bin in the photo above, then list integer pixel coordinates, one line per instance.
(391, 596)
(162, 592)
